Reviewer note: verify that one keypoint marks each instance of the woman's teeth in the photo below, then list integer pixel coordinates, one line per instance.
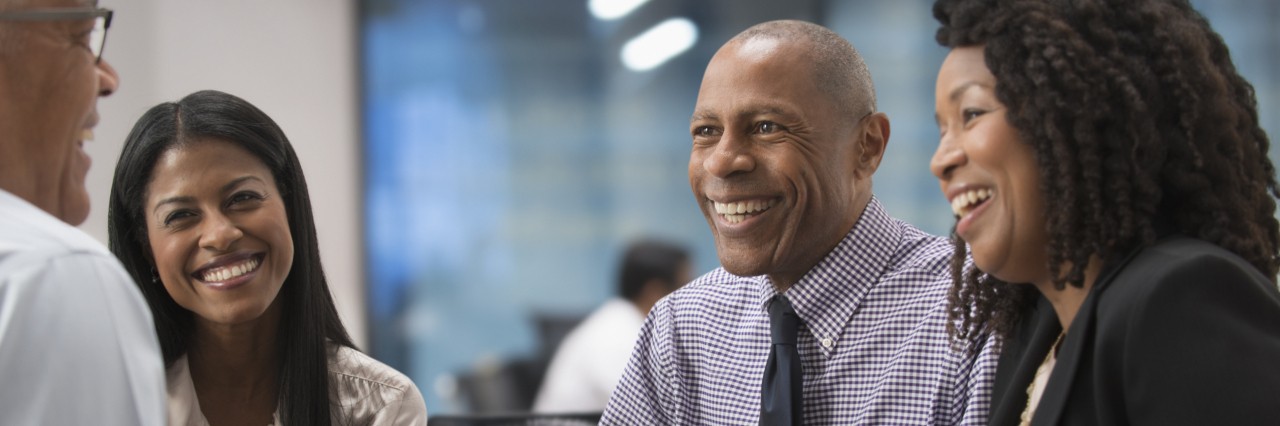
(967, 200)
(739, 211)
(224, 273)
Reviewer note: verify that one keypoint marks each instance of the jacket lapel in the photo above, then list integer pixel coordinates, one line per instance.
(1018, 362)
(1070, 355)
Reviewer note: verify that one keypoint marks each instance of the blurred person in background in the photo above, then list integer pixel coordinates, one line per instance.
(826, 310)
(77, 344)
(1109, 177)
(590, 360)
(210, 214)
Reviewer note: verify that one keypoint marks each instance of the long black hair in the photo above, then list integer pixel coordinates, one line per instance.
(309, 318)
(1140, 125)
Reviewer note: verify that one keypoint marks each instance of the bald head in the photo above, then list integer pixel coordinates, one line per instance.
(838, 69)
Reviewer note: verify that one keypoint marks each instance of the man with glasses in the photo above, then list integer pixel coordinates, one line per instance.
(77, 344)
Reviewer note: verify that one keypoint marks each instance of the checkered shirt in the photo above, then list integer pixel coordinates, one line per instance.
(873, 346)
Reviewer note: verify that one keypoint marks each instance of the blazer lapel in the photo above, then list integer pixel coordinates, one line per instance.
(1018, 362)
(1054, 399)
(1080, 336)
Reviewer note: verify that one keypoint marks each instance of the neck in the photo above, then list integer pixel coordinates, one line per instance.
(236, 368)
(1066, 302)
(242, 357)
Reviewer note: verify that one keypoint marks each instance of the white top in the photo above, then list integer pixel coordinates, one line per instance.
(368, 392)
(77, 344)
(1036, 390)
(589, 362)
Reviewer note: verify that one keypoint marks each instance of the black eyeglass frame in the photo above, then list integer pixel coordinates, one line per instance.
(66, 14)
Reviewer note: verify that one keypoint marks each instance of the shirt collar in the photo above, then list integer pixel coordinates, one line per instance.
(828, 295)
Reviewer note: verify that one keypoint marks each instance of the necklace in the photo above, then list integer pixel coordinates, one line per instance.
(1036, 389)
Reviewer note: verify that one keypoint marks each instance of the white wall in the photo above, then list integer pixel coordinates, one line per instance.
(294, 59)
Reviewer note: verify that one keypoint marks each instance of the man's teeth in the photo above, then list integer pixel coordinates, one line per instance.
(86, 135)
(738, 211)
(223, 273)
(966, 200)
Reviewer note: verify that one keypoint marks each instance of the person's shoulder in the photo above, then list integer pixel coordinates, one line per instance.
(52, 252)
(369, 391)
(24, 229)
(601, 328)
(1181, 258)
(1183, 248)
(347, 365)
(1180, 269)
(710, 295)
(920, 252)
(715, 286)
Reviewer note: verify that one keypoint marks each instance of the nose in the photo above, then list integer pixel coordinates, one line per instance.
(730, 155)
(946, 158)
(108, 80)
(219, 233)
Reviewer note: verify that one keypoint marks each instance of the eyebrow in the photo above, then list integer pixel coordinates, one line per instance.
(762, 110)
(703, 115)
(187, 199)
(955, 93)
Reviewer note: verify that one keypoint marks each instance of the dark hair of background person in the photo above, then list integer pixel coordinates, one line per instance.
(309, 318)
(1140, 125)
(648, 260)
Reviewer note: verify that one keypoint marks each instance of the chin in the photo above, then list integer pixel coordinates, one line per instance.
(742, 265)
(238, 317)
(75, 214)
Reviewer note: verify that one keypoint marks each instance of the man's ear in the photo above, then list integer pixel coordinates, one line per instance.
(873, 139)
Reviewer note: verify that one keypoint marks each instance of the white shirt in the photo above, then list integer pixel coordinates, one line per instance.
(589, 362)
(366, 391)
(77, 344)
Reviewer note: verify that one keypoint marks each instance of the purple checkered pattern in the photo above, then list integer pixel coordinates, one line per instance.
(873, 346)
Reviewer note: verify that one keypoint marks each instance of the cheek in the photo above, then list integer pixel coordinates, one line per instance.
(695, 169)
(827, 179)
(168, 261)
(1033, 218)
(160, 246)
(177, 292)
(281, 240)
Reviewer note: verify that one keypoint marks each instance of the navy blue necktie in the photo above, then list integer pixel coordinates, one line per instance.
(780, 401)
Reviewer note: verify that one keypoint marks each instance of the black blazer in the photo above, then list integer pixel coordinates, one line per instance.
(1180, 333)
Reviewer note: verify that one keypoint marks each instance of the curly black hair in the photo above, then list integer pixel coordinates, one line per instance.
(1140, 125)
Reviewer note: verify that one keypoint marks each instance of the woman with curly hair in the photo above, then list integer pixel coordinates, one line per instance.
(1110, 179)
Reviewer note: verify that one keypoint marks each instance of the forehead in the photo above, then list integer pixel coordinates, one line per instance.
(964, 68)
(760, 71)
(965, 63)
(202, 165)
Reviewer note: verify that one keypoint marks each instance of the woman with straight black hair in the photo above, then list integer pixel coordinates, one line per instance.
(209, 213)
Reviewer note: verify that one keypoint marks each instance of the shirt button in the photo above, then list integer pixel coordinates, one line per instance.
(828, 343)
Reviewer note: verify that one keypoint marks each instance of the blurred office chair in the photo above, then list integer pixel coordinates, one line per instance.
(510, 385)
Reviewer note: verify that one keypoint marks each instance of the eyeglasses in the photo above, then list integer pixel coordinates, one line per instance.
(101, 21)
